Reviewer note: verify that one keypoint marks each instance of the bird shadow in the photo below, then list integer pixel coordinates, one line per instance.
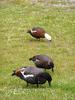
(43, 41)
(36, 40)
(34, 86)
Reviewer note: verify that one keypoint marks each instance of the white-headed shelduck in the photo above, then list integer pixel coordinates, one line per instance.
(43, 61)
(33, 75)
(38, 33)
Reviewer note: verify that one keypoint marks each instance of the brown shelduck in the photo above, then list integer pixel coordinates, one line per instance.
(38, 33)
(43, 61)
(33, 75)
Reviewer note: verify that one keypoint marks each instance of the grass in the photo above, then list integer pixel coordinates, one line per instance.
(16, 47)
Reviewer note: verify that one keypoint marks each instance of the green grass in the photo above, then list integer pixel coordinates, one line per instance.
(16, 47)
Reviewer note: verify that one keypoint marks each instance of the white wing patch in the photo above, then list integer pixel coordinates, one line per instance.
(48, 37)
(26, 76)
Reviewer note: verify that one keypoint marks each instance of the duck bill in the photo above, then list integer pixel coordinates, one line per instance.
(30, 58)
(13, 73)
(29, 31)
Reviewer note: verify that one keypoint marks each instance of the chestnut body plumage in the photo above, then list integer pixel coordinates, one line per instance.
(43, 61)
(38, 33)
(33, 75)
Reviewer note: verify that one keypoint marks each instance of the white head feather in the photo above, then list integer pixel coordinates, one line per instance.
(26, 76)
(33, 31)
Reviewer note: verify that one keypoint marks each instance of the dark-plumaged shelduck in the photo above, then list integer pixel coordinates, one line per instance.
(33, 75)
(38, 33)
(43, 61)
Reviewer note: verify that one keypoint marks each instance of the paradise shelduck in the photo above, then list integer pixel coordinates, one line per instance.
(38, 33)
(33, 75)
(43, 61)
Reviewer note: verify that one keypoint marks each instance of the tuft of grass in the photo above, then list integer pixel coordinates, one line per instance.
(16, 47)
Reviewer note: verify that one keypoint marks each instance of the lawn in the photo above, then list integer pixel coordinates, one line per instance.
(17, 46)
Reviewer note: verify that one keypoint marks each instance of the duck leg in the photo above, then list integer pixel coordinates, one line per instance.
(49, 83)
(27, 84)
(52, 70)
(37, 85)
(37, 82)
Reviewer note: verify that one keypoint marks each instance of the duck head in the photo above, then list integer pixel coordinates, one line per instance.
(17, 73)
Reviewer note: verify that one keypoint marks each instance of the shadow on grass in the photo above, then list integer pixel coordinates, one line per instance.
(65, 87)
(36, 40)
(43, 41)
(34, 86)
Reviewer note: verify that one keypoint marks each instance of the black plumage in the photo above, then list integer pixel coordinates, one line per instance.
(43, 61)
(33, 75)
